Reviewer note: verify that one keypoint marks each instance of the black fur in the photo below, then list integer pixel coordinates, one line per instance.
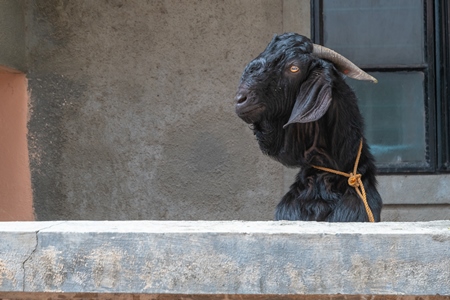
(324, 128)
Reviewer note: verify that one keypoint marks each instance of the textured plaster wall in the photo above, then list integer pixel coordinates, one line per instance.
(12, 35)
(132, 111)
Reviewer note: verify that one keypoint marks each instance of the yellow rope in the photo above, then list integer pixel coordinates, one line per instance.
(354, 180)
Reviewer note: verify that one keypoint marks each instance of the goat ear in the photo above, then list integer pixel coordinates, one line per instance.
(313, 99)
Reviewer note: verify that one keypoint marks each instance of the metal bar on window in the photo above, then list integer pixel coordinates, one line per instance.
(393, 68)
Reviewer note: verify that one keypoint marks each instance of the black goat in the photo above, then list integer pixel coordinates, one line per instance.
(303, 114)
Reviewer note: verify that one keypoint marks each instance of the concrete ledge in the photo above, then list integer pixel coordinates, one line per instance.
(225, 258)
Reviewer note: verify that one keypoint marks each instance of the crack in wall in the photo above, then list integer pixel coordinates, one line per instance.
(34, 250)
(27, 259)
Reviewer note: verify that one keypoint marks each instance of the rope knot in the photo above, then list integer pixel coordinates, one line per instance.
(354, 180)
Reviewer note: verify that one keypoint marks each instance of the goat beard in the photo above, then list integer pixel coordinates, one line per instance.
(268, 136)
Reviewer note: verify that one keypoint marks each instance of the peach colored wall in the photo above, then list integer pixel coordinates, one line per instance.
(15, 182)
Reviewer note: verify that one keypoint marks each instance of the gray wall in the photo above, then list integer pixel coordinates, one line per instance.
(12, 35)
(131, 111)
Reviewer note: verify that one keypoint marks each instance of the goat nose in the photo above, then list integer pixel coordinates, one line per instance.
(240, 98)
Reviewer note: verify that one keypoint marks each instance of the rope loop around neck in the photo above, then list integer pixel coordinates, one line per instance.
(355, 181)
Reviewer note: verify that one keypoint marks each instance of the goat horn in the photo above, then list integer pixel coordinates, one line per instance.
(343, 64)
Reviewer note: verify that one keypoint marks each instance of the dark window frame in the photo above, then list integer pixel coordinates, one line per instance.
(442, 25)
(436, 70)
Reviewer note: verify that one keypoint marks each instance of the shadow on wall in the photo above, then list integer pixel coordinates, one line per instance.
(15, 181)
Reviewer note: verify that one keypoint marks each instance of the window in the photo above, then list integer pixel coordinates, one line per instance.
(399, 42)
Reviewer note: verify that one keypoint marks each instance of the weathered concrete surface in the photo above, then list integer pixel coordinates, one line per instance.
(248, 258)
(12, 35)
(18, 242)
(132, 113)
(415, 197)
(296, 16)
(403, 189)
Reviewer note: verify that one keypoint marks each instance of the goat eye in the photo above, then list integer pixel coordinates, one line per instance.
(294, 69)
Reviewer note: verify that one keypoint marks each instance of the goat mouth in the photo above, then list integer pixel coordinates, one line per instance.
(250, 114)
